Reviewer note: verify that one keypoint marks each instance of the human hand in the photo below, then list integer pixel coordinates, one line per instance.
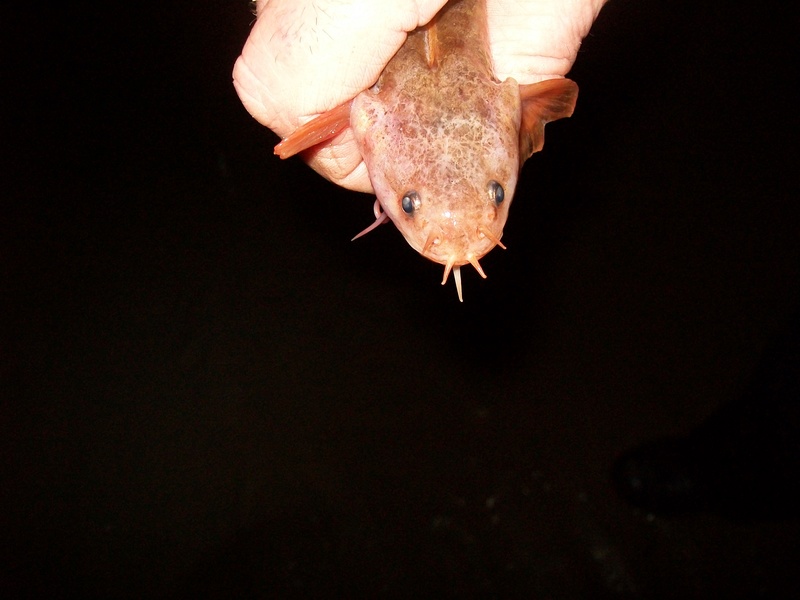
(304, 57)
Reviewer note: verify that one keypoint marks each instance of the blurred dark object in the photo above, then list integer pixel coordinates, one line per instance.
(743, 462)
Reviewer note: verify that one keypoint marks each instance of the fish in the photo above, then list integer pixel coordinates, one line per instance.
(443, 139)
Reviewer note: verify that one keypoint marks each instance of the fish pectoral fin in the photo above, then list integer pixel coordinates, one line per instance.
(541, 103)
(315, 131)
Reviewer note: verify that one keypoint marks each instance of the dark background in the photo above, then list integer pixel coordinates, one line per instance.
(208, 391)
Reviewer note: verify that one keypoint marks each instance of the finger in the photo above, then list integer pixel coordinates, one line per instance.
(304, 57)
(534, 40)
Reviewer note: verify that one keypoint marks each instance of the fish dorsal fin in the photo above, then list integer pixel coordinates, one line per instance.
(541, 103)
(431, 44)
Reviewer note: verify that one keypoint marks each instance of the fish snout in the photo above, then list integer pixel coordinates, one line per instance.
(457, 247)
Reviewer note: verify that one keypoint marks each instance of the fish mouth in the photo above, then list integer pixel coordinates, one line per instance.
(456, 260)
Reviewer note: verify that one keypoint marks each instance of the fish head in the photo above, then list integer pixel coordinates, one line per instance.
(445, 168)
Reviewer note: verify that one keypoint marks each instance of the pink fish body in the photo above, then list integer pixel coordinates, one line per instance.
(442, 139)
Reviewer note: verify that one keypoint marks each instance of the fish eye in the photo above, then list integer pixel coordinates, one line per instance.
(496, 192)
(410, 202)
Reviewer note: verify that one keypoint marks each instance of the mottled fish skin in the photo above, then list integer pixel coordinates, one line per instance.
(442, 139)
(437, 123)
